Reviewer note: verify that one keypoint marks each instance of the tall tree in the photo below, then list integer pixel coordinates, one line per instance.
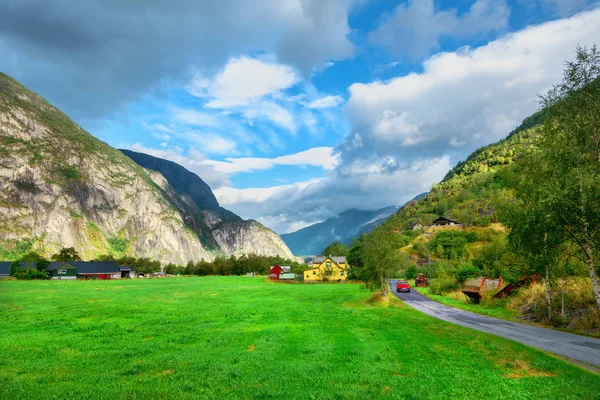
(335, 249)
(67, 254)
(557, 188)
(382, 259)
(572, 148)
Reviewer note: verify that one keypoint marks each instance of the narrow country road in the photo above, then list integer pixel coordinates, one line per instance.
(579, 348)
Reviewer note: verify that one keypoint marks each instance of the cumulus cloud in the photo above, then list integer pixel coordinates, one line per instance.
(409, 131)
(326, 102)
(242, 81)
(91, 58)
(317, 156)
(463, 99)
(413, 29)
(289, 207)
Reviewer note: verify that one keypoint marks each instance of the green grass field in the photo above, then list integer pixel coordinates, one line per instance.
(239, 337)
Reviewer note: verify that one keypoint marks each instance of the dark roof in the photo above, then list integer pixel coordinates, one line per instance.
(446, 219)
(5, 268)
(337, 260)
(89, 267)
(413, 224)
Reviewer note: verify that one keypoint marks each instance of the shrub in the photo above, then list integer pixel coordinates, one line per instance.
(467, 271)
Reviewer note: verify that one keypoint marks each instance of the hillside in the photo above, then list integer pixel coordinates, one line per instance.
(467, 194)
(61, 187)
(343, 227)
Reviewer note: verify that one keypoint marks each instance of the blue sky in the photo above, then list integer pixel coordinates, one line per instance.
(296, 110)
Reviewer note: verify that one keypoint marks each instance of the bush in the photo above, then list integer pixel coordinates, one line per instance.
(467, 271)
(30, 274)
(444, 284)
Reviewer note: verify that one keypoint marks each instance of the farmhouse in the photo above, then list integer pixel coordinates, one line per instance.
(4, 269)
(415, 226)
(274, 272)
(443, 221)
(327, 268)
(88, 270)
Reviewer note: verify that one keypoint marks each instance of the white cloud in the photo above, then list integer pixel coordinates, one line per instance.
(242, 81)
(413, 29)
(326, 102)
(286, 208)
(211, 143)
(318, 156)
(464, 99)
(273, 112)
(409, 131)
(194, 161)
(197, 118)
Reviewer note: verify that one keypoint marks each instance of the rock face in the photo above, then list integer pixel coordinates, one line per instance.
(61, 187)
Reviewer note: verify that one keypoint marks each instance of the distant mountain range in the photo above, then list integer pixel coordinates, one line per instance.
(343, 227)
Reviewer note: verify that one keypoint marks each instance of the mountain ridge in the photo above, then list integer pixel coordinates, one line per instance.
(62, 187)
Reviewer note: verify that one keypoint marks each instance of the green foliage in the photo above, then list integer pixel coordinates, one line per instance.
(453, 244)
(335, 249)
(66, 254)
(118, 245)
(69, 173)
(467, 271)
(382, 259)
(15, 250)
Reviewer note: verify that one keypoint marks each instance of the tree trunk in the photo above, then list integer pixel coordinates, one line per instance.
(548, 305)
(591, 267)
(587, 248)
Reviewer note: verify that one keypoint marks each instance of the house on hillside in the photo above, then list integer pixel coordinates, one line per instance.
(415, 226)
(443, 221)
(327, 268)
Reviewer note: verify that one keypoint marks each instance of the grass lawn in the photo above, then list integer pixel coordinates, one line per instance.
(497, 310)
(240, 337)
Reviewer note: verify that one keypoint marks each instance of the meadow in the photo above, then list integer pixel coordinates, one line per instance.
(241, 337)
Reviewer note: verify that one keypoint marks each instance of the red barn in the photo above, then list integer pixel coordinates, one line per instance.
(274, 273)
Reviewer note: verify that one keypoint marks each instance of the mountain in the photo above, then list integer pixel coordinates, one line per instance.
(343, 228)
(62, 187)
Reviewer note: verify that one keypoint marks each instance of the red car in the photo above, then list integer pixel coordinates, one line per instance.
(402, 286)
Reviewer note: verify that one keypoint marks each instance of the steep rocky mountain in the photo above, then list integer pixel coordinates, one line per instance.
(343, 228)
(61, 187)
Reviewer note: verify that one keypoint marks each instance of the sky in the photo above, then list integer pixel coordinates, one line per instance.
(296, 110)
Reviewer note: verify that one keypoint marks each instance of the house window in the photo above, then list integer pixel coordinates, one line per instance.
(342, 273)
(328, 263)
(62, 272)
(314, 272)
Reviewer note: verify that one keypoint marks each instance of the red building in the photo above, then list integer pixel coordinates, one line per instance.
(274, 273)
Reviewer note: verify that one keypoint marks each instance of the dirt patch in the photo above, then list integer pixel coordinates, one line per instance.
(167, 372)
(251, 348)
(521, 369)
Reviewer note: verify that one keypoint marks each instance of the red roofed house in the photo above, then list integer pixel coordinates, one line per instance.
(274, 273)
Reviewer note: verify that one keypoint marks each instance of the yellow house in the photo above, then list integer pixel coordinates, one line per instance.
(328, 268)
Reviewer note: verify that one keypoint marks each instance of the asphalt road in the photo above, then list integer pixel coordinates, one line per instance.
(579, 348)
